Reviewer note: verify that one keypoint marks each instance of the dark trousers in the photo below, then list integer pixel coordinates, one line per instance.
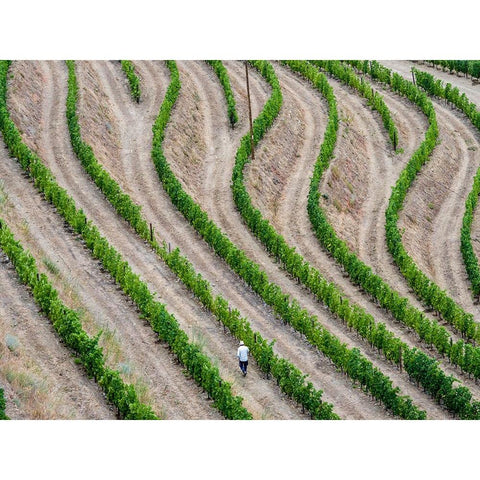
(243, 366)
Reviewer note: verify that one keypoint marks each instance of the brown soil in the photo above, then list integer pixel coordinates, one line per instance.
(226, 216)
(132, 347)
(262, 398)
(201, 146)
(42, 381)
(292, 221)
(40, 378)
(434, 207)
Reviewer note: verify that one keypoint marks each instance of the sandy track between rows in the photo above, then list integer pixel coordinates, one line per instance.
(472, 91)
(358, 185)
(40, 378)
(157, 206)
(151, 367)
(366, 128)
(434, 207)
(293, 223)
(294, 212)
(231, 223)
(262, 398)
(224, 281)
(338, 387)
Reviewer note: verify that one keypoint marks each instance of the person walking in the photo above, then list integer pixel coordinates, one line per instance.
(242, 354)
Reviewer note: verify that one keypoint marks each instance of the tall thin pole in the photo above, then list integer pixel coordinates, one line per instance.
(249, 111)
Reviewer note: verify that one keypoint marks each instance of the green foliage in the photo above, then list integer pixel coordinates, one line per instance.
(261, 350)
(134, 82)
(471, 67)
(376, 334)
(3, 405)
(11, 342)
(437, 88)
(222, 75)
(348, 76)
(427, 290)
(429, 331)
(281, 303)
(67, 324)
(163, 323)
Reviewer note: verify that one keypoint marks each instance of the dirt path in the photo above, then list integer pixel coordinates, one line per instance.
(40, 378)
(358, 186)
(154, 206)
(129, 345)
(230, 222)
(140, 355)
(299, 235)
(434, 207)
(261, 398)
(472, 91)
(293, 222)
(42, 381)
(157, 206)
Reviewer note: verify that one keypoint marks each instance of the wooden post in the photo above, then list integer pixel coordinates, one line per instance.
(394, 140)
(169, 248)
(249, 111)
(400, 362)
(413, 78)
(151, 233)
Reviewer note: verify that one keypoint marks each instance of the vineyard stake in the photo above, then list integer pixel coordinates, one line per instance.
(413, 76)
(249, 110)
(151, 233)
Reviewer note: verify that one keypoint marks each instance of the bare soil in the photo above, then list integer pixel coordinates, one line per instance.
(201, 146)
(267, 401)
(131, 345)
(38, 373)
(226, 216)
(293, 221)
(434, 207)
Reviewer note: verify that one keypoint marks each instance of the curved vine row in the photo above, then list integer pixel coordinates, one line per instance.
(436, 382)
(162, 322)
(437, 88)
(350, 361)
(347, 75)
(471, 67)
(67, 324)
(290, 379)
(425, 288)
(222, 75)
(133, 81)
(466, 357)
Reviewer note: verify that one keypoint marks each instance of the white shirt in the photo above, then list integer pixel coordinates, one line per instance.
(242, 353)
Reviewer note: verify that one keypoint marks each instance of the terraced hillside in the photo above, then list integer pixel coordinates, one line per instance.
(153, 223)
